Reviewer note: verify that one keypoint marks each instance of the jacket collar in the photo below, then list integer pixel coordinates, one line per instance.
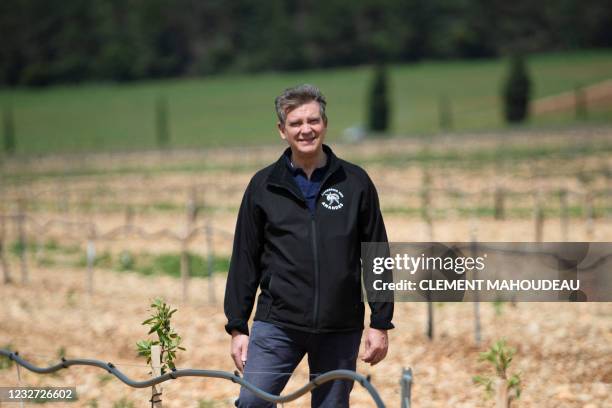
(281, 175)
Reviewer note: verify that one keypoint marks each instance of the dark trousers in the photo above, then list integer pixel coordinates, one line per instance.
(274, 352)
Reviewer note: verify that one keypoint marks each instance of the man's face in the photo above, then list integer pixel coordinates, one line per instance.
(304, 129)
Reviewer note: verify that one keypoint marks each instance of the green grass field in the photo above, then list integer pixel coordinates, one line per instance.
(238, 109)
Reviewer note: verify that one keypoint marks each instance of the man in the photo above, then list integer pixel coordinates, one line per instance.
(298, 235)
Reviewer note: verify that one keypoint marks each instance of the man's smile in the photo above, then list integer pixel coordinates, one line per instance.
(307, 139)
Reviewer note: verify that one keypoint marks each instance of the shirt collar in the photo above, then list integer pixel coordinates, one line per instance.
(281, 176)
(297, 170)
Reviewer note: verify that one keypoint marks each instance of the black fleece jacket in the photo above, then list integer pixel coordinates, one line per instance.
(307, 265)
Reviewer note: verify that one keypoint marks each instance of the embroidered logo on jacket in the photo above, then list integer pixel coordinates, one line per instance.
(333, 199)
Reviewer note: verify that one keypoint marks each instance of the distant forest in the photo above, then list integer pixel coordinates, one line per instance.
(45, 42)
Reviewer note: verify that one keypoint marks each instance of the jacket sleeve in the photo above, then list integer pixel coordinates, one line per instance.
(372, 229)
(244, 271)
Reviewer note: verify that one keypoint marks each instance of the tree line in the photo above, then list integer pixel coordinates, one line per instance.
(46, 42)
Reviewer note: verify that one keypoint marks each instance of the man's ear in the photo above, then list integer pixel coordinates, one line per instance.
(281, 130)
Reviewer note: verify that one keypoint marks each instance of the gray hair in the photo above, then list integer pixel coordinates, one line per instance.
(296, 96)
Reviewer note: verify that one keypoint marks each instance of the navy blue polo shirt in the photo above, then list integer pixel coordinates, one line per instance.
(310, 188)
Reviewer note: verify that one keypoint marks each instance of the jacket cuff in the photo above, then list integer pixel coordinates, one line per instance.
(381, 324)
(237, 324)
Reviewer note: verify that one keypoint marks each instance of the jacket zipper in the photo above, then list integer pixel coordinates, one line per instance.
(315, 250)
(315, 253)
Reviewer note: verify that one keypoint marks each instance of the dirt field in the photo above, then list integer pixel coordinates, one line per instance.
(597, 96)
(155, 193)
(564, 351)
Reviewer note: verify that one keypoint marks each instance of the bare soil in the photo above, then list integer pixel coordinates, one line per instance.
(564, 351)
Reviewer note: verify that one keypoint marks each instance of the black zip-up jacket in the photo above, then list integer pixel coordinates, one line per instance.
(308, 265)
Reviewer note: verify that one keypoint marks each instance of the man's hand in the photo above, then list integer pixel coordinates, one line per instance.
(240, 344)
(376, 346)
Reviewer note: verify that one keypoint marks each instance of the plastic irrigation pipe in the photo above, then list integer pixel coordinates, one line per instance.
(319, 380)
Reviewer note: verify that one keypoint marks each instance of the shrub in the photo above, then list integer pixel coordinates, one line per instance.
(378, 120)
(517, 91)
(167, 338)
(506, 386)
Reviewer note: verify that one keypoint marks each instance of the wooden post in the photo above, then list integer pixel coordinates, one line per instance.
(608, 191)
(608, 199)
(185, 270)
(129, 216)
(539, 217)
(426, 204)
(21, 218)
(191, 215)
(456, 203)
(156, 390)
(501, 393)
(64, 196)
(91, 258)
(499, 203)
(85, 203)
(564, 215)
(192, 206)
(590, 214)
(473, 248)
(426, 215)
(473, 214)
(61, 197)
(40, 247)
(430, 321)
(211, 261)
(6, 272)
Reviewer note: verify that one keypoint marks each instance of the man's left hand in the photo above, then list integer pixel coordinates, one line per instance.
(376, 346)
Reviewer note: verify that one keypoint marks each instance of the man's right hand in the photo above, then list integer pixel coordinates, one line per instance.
(240, 344)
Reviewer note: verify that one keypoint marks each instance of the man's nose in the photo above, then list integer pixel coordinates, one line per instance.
(306, 128)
